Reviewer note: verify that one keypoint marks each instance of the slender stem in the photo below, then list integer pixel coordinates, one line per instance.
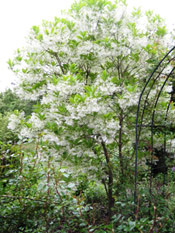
(110, 179)
(120, 144)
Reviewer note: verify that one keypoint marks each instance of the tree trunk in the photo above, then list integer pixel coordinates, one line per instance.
(110, 180)
(120, 144)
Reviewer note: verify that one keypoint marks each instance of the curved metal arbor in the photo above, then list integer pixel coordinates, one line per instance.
(148, 103)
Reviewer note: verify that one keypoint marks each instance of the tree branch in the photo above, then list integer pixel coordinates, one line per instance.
(57, 58)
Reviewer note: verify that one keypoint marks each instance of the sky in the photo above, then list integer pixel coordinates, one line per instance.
(18, 16)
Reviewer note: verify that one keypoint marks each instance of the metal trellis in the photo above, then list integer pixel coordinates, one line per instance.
(162, 73)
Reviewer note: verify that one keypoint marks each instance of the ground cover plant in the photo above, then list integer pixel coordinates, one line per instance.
(72, 169)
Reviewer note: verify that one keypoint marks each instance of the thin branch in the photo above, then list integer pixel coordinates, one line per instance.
(59, 62)
(57, 58)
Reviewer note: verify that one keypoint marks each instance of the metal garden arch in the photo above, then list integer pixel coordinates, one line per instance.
(164, 71)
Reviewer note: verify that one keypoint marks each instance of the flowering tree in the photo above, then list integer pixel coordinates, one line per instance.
(86, 71)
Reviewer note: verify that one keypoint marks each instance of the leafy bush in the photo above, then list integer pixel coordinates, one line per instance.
(6, 135)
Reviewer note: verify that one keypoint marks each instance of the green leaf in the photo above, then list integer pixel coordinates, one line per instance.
(46, 32)
(161, 31)
(54, 79)
(19, 58)
(36, 29)
(104, 75)
(10, 63)
(132, 27)
(131, 88)
(136, 12)
(24, 70)
(40, 37)
(52, 30)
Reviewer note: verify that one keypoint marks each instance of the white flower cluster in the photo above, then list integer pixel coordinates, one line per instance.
(168, 88)
(52, 138)
(107, 129)
(88, 107)
(26, 129)
(128, 100)
(66, 89)
(26, 132)
(15, 121)
(37, 124)
(170, 116)
(30, 95)
(171, 144)
(107, 87)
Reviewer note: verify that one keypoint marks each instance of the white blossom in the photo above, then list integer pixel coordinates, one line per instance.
(36, 122)
(15, 120)
(26, 133)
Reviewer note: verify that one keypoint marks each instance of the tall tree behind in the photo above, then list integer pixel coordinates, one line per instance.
(9, 101)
